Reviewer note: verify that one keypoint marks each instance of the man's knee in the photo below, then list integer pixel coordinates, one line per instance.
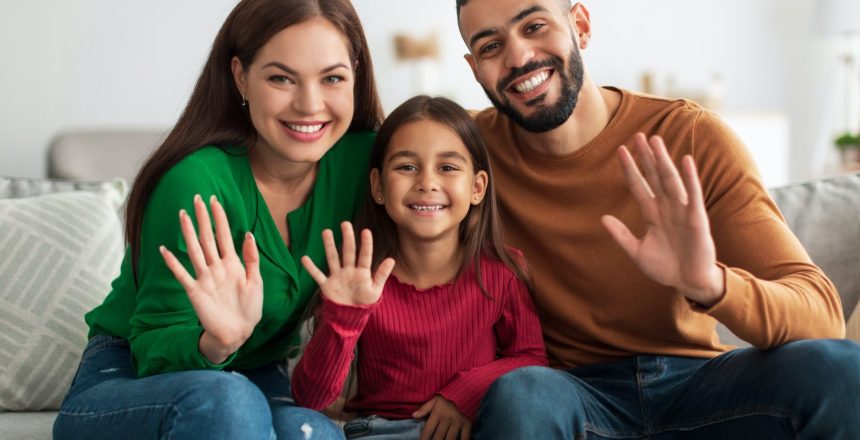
(822, 366)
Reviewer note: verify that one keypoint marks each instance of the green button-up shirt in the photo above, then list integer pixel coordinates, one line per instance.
(156, 316)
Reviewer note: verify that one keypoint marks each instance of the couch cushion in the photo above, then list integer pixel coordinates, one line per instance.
(27, 425)
(61, 252)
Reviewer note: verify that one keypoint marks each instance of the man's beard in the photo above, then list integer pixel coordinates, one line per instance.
(545, 118)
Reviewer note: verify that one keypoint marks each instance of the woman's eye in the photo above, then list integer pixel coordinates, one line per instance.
(280, 79)
(334, 79)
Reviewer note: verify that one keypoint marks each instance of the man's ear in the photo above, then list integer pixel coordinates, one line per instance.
(239, 75)
(471, 60)
(580, 22)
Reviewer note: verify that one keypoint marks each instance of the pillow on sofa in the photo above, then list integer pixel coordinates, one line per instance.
(60, 253)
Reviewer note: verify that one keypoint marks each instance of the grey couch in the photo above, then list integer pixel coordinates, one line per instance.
(824, 214)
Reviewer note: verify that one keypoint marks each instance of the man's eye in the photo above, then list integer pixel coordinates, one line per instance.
(534, 27)
(489, 47)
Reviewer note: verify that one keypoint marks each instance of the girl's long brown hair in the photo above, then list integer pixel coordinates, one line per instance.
(480, 232)
(214, 114)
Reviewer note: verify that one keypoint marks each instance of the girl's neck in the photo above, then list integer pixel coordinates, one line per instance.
(428, 263)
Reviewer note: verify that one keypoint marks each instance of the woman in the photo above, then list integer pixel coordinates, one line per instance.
(276, 136)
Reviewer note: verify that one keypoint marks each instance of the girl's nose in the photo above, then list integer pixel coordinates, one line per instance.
(427, 183)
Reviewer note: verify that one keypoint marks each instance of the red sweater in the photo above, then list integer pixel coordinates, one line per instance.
(413, 343)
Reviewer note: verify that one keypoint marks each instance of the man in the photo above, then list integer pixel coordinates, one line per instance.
(629, 315)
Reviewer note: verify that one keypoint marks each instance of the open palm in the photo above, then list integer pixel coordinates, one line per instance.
(227, 295)
(350, 281)
(677, 249)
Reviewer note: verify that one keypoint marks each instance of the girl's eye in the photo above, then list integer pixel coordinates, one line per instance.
(280, 79)
(406, 167)
(448, 168)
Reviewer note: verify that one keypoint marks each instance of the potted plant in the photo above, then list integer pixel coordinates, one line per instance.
(849, 145)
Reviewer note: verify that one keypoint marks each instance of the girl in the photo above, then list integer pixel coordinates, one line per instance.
(275, 135)
(456, 312)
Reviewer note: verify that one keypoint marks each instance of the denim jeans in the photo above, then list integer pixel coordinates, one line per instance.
(108, 400)
(801, 390)
(377, 428)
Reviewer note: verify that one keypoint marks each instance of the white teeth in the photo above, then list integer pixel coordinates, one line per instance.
(532, 82)
(305, 128)
(427, 207)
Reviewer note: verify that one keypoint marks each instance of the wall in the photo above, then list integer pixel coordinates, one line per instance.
(104, 64)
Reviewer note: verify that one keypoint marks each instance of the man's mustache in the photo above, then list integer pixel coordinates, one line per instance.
(529, 67)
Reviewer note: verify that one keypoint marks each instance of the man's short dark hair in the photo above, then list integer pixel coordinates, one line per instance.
(461, 3)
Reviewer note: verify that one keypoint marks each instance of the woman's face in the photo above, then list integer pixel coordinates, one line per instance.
(299, 90)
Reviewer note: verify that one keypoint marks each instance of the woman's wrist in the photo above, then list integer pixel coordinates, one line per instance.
(215, 350)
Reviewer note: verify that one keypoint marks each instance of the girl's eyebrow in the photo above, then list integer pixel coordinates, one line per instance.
(444, 154)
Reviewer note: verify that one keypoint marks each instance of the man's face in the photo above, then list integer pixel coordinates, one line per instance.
(525, 56)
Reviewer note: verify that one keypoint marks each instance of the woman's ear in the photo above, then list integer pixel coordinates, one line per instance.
(239, 75)
(479, 188)
(376, 187)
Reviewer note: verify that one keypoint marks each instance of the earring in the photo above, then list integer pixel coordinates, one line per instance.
(244, 101)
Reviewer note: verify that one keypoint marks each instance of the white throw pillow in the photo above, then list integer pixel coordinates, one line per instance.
(60, 253)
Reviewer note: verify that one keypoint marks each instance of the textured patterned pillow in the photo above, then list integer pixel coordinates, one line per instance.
(60, 253)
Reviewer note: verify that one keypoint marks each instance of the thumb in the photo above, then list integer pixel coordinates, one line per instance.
(621, 234)
(424, 410)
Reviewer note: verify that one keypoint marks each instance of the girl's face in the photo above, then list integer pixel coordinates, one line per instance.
(299, 90)
(427, 181)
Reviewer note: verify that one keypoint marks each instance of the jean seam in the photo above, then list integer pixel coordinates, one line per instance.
(112, 412)
(731, 415)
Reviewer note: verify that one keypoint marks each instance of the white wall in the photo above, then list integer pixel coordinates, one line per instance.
(103, 63)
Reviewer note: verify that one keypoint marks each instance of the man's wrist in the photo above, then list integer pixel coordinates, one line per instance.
(712, 294)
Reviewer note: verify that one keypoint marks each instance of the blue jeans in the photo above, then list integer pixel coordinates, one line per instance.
(108, 400)
(377, 428)
(802, 390)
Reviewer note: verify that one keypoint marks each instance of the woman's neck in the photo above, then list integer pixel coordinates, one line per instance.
(428, 263)
(281, 176)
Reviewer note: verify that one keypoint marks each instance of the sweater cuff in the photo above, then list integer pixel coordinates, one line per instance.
(732, 302)
(346, 318)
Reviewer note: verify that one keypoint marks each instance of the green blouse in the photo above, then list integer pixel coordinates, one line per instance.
(156, 316)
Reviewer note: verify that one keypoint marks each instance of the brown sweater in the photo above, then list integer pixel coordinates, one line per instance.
(594, 303)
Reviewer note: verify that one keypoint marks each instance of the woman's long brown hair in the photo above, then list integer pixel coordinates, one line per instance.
(214, 114)
(480, 232)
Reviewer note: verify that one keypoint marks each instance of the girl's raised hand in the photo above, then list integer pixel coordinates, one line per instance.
(227, 296)
(350, 282)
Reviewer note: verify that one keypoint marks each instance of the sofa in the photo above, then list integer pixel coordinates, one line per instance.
(62, 244)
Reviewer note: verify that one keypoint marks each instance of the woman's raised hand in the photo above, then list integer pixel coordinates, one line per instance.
(227, 296)
(677, 249)
(350, 281)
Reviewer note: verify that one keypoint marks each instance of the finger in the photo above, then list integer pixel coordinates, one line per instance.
(251, 256)
(313, 270)
(442, 429)
(453, 431)
(204, 231)
(637, 184)
(430, 426)
(692, 184)
(382, 273)
(222, 229)
(466, 431)
(648, 163)
(330, 251)
(348, 244)
(669, 177)
(365, 253)
(621, 234)
(195, 253)
(424, 410)
(185, 279)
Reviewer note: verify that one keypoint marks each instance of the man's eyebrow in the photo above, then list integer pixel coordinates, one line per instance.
(517, 18)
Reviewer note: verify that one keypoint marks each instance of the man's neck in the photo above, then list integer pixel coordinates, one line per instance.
(594, 109)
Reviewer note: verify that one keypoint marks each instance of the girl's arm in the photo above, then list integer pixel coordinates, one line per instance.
(349, 295)
(520, 342)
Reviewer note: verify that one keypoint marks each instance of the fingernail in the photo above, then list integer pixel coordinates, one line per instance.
(182, 213)
(249, 235)
(212, 199)
(161, 249)
(197, 198)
